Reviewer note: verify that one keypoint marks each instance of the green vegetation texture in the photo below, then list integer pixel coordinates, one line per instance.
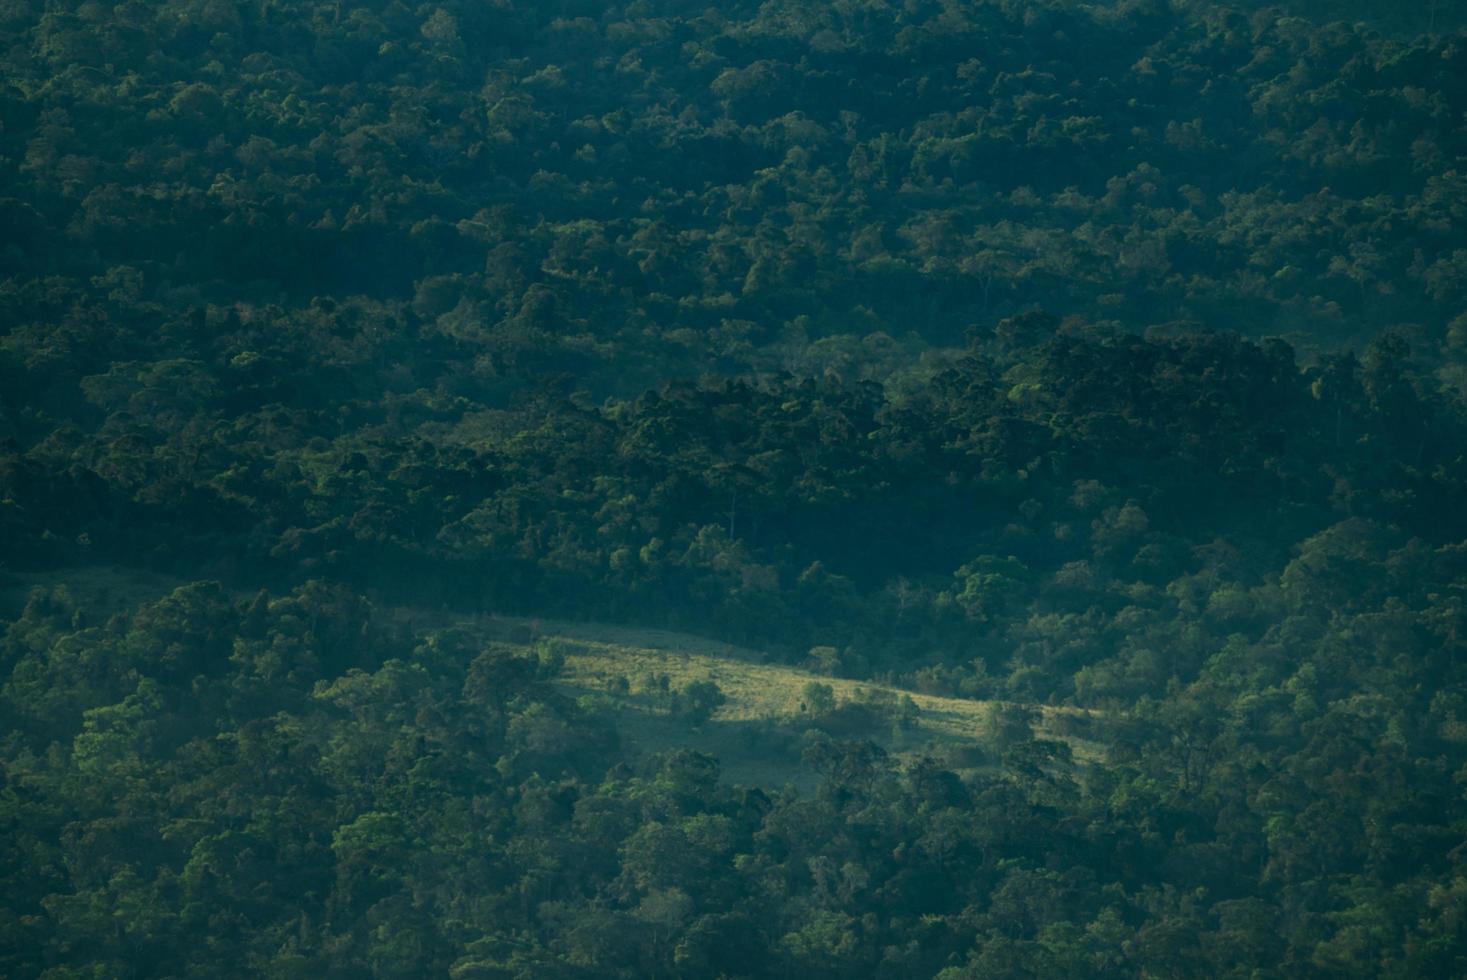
(873, 488)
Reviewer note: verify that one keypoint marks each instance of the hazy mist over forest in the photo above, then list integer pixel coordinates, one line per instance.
(870, 488)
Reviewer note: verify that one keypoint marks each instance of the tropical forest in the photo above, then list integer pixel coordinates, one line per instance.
(658, 490)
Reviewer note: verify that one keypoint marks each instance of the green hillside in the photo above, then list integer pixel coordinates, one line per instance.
(880, 489)
(757, 726)
(756, 733)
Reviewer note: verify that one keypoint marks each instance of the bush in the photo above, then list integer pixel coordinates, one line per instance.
(699, 700)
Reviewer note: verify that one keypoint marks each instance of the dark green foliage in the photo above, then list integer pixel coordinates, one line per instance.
(427, 804)
(699, 700)
(729, 319)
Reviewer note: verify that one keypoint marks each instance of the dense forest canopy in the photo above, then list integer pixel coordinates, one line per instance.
(1100, 363)
(636, 193)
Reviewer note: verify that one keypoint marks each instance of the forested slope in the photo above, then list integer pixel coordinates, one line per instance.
(481, 193)
(297, 785)
(1104, 358)
(1255, 574)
